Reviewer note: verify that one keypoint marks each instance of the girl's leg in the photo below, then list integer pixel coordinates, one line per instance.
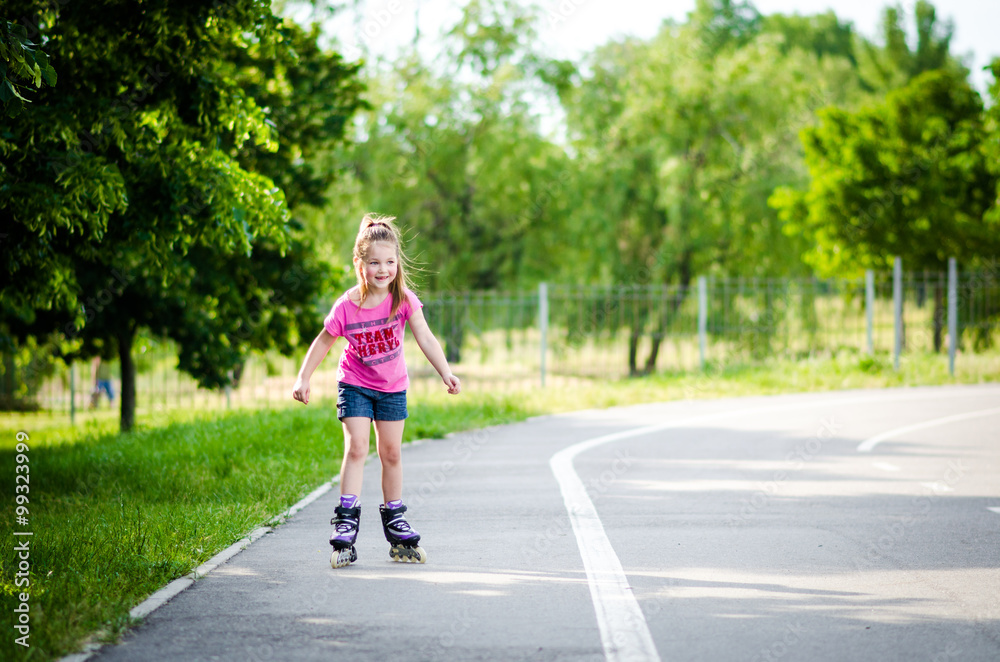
(388, 442)
(356, 434)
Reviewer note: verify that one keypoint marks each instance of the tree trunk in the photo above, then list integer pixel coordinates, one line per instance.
(9, 375)
(454, 334)
(668, 311)
(125, 338)
(238, 374)
(938, 316)
(654, 351)
(637, 318)
(633, 350)
(453, 347)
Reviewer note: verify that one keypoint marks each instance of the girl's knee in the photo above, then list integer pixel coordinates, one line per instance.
(356, 450)
(391, 456)
(389, 442)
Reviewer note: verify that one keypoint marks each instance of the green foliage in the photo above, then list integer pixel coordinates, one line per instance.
(491, 34)
(893, 64)
(458, 157)
(672, 149)
(681, 144)
(155, 187)
(22, 370)
(127, 125)
(673, 146)
(873, 365)
(20, 60)
(904, 177)
(167, 184)
(721, 24)
(991, 146)
(821, 34)
(310, 96)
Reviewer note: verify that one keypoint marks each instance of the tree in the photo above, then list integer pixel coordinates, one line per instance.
(821, 34)
(456, 152)
(906, 177)
(991, 145)
(684, 139)
(723, 24)
(893, 63)
(141, 191)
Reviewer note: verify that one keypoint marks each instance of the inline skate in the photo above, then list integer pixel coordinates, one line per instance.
(345, 532)
(401, 536)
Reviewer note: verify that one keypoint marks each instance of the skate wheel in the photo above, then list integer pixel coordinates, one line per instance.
(343, 557)
(402, 554)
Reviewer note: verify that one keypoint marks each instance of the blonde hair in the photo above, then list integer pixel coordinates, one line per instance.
(376, 227)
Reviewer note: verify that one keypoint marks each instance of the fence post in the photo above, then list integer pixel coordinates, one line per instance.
(870, 308)
(543, 323)
(952, 314)
(702, 320)
(897, 310)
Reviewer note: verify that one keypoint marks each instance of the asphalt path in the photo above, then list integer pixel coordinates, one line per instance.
(856, 525)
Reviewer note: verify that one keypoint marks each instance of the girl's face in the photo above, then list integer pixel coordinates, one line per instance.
(379, 266)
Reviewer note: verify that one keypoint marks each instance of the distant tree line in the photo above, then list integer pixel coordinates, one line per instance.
(709, 148)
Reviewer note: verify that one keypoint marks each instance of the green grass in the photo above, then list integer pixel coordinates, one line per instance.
(847, 370)
(116, 517)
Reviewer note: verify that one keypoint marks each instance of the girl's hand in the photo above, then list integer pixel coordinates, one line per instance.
(301, 390)
(453, 383)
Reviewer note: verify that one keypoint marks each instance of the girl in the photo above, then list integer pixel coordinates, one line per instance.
(372, 383)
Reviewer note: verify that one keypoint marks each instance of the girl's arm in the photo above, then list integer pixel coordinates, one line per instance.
(431, 348)
(317, 352)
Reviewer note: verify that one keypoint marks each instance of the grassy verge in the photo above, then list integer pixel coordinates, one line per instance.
(845, 371)
(116, 517)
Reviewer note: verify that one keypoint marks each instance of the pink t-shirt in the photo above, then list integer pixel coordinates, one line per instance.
(373, 357)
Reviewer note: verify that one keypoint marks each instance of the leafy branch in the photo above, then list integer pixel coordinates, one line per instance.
(20, 60)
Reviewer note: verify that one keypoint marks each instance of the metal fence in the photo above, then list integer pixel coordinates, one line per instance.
(561, 335)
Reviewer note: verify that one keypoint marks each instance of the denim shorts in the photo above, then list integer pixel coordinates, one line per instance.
(358, 401)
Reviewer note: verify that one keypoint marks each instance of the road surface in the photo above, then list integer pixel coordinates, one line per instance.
(856, 525)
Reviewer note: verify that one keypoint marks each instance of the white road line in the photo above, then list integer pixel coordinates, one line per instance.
(624, 632)
(868, 444)
(996, 510)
